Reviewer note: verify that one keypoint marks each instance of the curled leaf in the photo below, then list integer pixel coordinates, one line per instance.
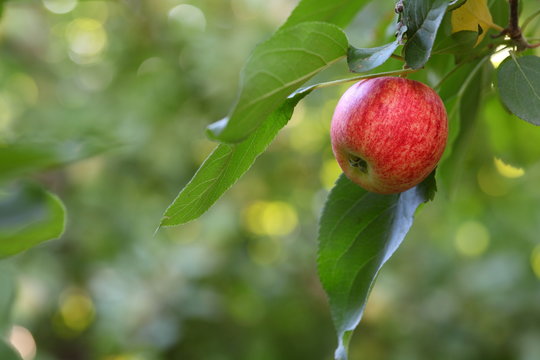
(473, 15)
(359, 231)
(365, 59)
(422, 18)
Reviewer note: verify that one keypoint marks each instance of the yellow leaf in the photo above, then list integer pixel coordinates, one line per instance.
(471, 15)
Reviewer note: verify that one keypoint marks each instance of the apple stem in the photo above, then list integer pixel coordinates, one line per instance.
(404, 75)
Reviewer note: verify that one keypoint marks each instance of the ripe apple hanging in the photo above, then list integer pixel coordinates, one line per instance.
(389, 133)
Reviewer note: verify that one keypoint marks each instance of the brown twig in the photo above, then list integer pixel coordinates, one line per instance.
(514, 31)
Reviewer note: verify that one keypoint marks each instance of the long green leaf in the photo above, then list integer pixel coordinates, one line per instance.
(225, 166)
(29, 216)
(461, 95)
(422, 18)
(275, 69)
(519, 87)
(358, 233)
(337, 12)
(18, 159)
(460, 42)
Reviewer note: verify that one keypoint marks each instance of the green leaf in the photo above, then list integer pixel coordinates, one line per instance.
(7, 296)
(7, 352)
(519, 87)
(358, 233)
(226, 165)
(422, 18)
(362, 60)
(274, 70)
(459, 42)
(337, 12)
(462, 95)
(23, 158)
(29, 216)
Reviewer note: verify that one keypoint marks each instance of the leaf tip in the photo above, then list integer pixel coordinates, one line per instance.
(428, 187)
(214, 130)
(342, 351)
(165, 221)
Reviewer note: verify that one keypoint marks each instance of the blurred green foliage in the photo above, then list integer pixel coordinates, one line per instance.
(137, 82)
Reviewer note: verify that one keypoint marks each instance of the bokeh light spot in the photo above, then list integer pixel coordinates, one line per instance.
(188, 17)
(150, 65)
(330, 172)
(472, 238)
(32, 297)
(86, 39)
(270, 218)
(60, 6)
(535, 261)
(507, 170)
(125, 357)
(497, 58)
(76, 309)
(22, 340)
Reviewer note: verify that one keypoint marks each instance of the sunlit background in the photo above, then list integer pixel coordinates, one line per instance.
(137, 82)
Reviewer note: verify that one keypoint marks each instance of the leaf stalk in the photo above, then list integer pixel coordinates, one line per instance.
(358, 78)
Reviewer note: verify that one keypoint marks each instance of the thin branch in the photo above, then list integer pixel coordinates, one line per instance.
(513, 30)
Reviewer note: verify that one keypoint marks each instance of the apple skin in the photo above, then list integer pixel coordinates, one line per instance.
(389, 133)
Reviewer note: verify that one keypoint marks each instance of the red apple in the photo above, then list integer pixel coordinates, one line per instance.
(389, 133)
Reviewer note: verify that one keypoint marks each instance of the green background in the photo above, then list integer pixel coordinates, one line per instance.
(138, 82)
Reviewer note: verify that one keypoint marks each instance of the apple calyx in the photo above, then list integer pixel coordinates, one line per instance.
(358, 162)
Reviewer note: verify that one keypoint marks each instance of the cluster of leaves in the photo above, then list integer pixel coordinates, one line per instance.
(359, 231)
